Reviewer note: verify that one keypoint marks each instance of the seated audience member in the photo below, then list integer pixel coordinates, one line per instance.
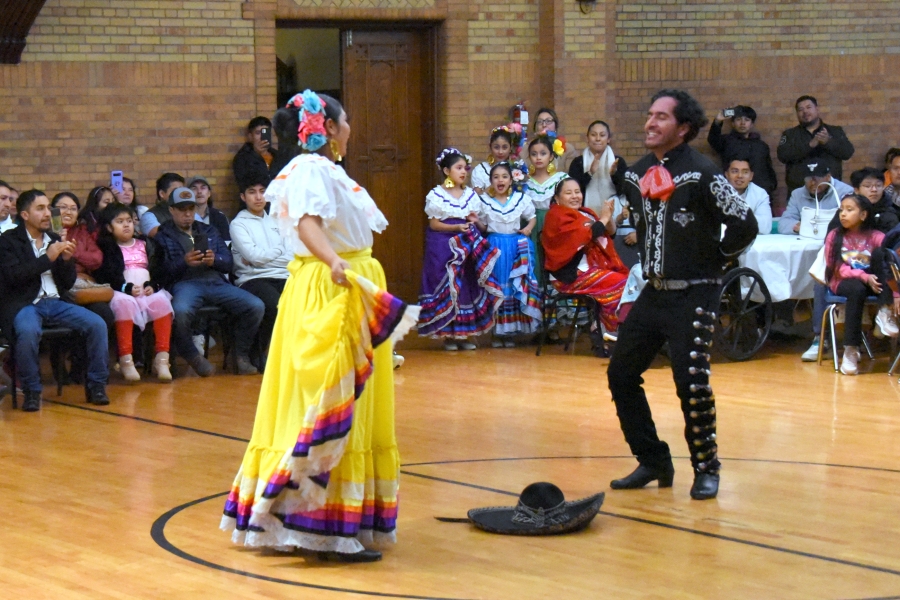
(256, 155)
(743, 141)
(205, 210)
(137, 299)
(36, 269)
(580, 256)
(869, 182)
(13, 196)
(817, 175)
(261, 255)
(83, 259)
(87, 256)
(857, 268)
(811, 140)
(892, 173)
(740, 175)
(7, 218)
(159, 213)
(128, 197)
(196, 278)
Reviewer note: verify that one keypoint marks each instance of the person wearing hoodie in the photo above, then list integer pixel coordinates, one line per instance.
(261, 255)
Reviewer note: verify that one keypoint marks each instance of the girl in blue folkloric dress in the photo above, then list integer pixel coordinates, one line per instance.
(503, 212)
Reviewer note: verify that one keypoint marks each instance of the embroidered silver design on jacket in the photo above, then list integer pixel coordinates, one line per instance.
(655, 238)
(727, 198)
(683, 218)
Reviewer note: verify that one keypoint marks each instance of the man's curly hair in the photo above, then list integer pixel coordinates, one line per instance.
(687, 110)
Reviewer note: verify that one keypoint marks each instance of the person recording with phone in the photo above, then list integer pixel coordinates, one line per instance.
(259, 152)
(743, 141)
(193, 266)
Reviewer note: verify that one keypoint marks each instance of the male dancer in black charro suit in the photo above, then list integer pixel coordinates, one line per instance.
(679, 201)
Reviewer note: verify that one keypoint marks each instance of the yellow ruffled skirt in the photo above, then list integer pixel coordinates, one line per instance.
(322, 468)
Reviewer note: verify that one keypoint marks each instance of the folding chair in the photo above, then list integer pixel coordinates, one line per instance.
(577, 301)
(833, 301)
(50, 335)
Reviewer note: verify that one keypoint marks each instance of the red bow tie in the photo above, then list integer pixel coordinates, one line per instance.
(657, 184)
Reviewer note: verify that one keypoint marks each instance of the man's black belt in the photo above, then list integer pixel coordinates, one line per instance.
(680, 284)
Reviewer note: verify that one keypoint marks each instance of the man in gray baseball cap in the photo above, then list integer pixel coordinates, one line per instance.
(194, 265)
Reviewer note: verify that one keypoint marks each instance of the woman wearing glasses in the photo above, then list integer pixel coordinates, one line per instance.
(546, 122)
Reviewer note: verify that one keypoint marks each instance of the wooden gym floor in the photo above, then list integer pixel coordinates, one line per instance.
(124, 502)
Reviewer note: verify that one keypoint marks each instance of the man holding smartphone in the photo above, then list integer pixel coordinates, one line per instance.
(743, 141)
(194, 264)
(256, 155)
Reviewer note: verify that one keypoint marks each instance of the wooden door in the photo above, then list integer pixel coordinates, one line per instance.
(388, 92)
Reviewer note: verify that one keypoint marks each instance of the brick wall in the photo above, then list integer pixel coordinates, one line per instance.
(145, 87)
(155, 85)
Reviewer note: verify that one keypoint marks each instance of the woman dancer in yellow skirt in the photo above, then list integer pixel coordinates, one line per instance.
(321, 471)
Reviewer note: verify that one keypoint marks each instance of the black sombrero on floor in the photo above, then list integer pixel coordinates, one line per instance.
(542, 510)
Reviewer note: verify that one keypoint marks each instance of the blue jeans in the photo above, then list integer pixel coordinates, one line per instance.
(245, 309)
(818, 310)
(28, 326)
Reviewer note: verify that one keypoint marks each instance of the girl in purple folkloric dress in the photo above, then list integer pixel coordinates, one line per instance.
(458, 293)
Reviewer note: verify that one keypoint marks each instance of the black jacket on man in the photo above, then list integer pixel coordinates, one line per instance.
(753, 147)
(170, 268)
(247, 161)
(682, 237)
(794, 149)
(20, 273)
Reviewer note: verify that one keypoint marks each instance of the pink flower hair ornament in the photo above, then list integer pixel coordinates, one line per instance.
(311, 134)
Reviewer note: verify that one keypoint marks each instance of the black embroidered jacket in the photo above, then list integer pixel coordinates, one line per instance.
(682, 238)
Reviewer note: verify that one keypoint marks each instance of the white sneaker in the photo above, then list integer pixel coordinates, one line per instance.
(464, 345)
(850, 361)
(398, 360)
(199, 342)
(886, 323)
(450, 346)
(496, 343)
(812, 353)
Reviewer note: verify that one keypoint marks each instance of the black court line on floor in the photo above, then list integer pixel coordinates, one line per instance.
(174, 550)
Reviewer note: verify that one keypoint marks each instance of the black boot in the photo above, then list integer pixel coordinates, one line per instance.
(706, 486)
(32, 402)
(95, 393)
(644, 475)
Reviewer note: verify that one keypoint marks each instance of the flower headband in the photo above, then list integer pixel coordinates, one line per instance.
(450, 152)
(505, 128)
(311, 134)
(556, 143)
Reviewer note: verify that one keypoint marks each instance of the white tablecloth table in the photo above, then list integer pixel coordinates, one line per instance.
(783, 262)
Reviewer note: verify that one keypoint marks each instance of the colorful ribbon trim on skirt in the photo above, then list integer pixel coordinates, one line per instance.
(378, 316)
